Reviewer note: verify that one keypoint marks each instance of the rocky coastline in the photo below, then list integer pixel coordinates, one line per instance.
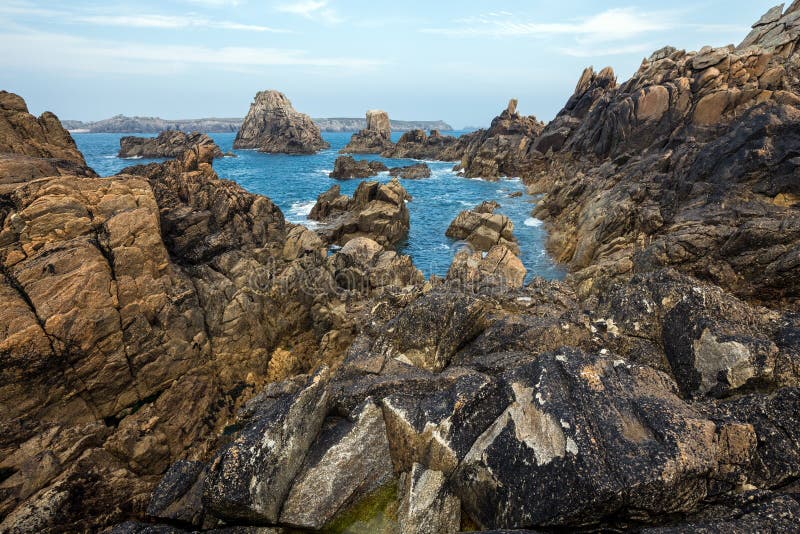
(177, 357)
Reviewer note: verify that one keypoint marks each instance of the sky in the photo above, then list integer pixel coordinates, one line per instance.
(458, 61)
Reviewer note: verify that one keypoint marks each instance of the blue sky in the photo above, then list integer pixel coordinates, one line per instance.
(459, 61)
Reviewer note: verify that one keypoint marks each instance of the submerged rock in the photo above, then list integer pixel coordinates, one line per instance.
(169, 144)
(345, 167)
(272, 125)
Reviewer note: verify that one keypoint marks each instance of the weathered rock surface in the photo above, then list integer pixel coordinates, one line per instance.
(411, 172)
(376, 210)
(373, 139)
(272, 125)
(416, 144)
(169, 144)
(346, 167)
(33, 147)
(503, 149)
(499, 265)
(483, 229)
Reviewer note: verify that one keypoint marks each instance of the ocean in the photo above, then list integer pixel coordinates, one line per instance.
(294, 182)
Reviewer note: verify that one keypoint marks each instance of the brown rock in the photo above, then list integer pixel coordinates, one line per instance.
(169, 144)
(375, 138)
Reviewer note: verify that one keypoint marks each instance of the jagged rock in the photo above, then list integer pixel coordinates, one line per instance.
(499, 265)
(568, 448)
(272, 125)
(349, 461)
(416, 144)
(377, 211)
(427, 506)
(346, 167)
(250, 478)
(483, 229)
(502, 149)
(363, 265)
(169, 144)
(178, 496)
(411, 172)
(33, 147)
(375, 138)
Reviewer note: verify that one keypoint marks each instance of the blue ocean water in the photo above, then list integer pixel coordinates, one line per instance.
(293, 183)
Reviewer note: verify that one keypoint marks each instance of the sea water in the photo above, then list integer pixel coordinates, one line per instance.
(294, 182)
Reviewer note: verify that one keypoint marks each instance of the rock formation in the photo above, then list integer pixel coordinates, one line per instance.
(33, 147)
(176, 357)
(346, 167)
(272, 125)
(411, 172)
(169, 144)
(416, 144)
(502, 150)
(376, 210)
(483, 229)
(375, 138)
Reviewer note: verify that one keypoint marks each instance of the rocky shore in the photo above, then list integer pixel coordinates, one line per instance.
(170, 144)
(177, 357)
(272, 125)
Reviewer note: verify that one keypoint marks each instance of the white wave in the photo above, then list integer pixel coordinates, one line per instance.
(302, 208)
(326, 172)
(532, 221)
(133, 157)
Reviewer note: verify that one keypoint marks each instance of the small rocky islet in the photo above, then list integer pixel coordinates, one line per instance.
(177, 357)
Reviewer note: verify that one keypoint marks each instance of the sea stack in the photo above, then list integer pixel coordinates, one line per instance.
(272, 125)
(375, 138)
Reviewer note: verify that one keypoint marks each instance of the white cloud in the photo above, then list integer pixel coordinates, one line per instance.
(139, 20)
(58, 52)
(616, 24)
(312, 9)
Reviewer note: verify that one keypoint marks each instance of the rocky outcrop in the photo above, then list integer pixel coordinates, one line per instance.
(272, 125)
(169, 144)
(33, 147)
(688, 164)
(346, 167)
(376, 210)
(375, 138)
(411, 172)
(416, 144)
(502, 150)
(499, 265)
(483, 229)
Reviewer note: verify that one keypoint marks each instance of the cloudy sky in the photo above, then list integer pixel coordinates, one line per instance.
(454, 60)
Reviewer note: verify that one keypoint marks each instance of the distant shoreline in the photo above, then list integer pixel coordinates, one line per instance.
(147, 125)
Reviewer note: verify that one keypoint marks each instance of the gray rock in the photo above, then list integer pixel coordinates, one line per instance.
(249, 479)
(178, 497)
(348, 462)
(426, 505)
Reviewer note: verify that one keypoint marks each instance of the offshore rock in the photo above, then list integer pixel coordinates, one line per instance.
(272, 125)
(170, 144)
(416, 144)
(411, 172)
(376, 210)
(346, 167)
(375, 138)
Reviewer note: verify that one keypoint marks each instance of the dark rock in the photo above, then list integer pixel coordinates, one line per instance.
(345, 167)
(169, 144)
(426, 504)
(411, 172)
(178, 497)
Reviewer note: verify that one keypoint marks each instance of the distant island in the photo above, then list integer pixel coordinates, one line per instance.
(123, 124)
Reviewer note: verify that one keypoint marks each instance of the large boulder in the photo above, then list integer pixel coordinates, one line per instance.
(375, 138)
(376, 210)
(416, 144)
(169, 144)
(411, 172)
(272, 125)
(483, 229)
(500, 265)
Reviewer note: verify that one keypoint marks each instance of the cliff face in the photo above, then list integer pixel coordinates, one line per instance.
(272, 125)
